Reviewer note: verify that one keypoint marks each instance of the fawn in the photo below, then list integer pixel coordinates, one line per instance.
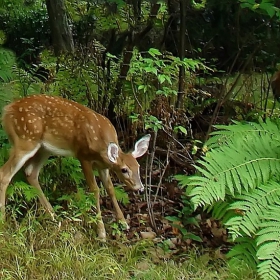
(40, 125)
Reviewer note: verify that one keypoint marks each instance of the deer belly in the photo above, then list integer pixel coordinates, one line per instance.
(58, 151)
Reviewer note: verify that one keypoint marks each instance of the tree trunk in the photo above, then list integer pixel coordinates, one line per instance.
(181, 89)
(128, 53)
(62, 39)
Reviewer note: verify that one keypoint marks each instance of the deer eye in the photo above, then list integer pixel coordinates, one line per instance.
(124, 170)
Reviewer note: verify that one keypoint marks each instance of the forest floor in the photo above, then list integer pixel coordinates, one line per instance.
(36, 251)
(37, 248)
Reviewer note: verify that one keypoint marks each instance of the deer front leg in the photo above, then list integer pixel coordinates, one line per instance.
(93, 187)
(32, 170)
(107, 183)
(17, 159)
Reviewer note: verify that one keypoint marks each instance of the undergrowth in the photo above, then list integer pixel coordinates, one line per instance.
(238, 180)
(45, 250)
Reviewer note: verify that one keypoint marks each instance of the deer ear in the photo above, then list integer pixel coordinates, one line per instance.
(141, 146)
(113, 152)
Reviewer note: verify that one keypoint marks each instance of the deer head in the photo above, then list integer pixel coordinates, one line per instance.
(126, 166)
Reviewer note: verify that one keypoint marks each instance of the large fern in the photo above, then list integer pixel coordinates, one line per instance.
(7, 65)
(14, 82)
(238, 180)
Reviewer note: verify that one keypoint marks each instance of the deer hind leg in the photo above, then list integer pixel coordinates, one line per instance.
(107, 183)
(18, 157)
(32, 170)
(93, 187)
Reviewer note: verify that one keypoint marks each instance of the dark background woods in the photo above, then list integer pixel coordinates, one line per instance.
(228, 37)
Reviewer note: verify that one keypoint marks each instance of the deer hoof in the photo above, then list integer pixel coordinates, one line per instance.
(101, 231)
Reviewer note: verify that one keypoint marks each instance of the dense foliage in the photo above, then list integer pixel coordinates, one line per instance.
(174, 68)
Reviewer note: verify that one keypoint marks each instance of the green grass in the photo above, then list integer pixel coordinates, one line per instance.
(43, 250)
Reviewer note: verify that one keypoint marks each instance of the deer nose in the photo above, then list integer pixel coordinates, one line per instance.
(136, 187)
(139, 187)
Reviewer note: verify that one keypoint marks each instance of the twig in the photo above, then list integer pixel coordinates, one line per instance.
(175, 140)
(134, 93)
(148, 193)
(163, 172)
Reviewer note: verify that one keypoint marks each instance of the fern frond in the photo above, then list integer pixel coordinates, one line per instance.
(14, 82)
(245, 250)
(268, 242)
(225, 132)
(238, 179)
(265, 271)
(7, 61)
(22, 189)
(243, 162)
(7, 76)
(218, 210)
(248, 211)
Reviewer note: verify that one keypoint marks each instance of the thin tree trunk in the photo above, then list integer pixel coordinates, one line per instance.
(181, 89)
(62, 39)
(128, 53)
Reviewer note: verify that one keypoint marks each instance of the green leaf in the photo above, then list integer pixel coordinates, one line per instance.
(161, 78)
(192, 236)
(154, 52)
(173, 218)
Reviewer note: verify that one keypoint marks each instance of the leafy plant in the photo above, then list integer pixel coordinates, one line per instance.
(7, 63)
(80, 206)
(118, 229)
(184, 219)
(7, 75)
(26, 28)
(63, 171)
(263, 7)
(238, 180)
(14, 81)
(121, 195)
(20, 194)
(158, 72)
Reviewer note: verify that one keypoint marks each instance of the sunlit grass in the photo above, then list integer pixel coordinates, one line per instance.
(33, 250)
